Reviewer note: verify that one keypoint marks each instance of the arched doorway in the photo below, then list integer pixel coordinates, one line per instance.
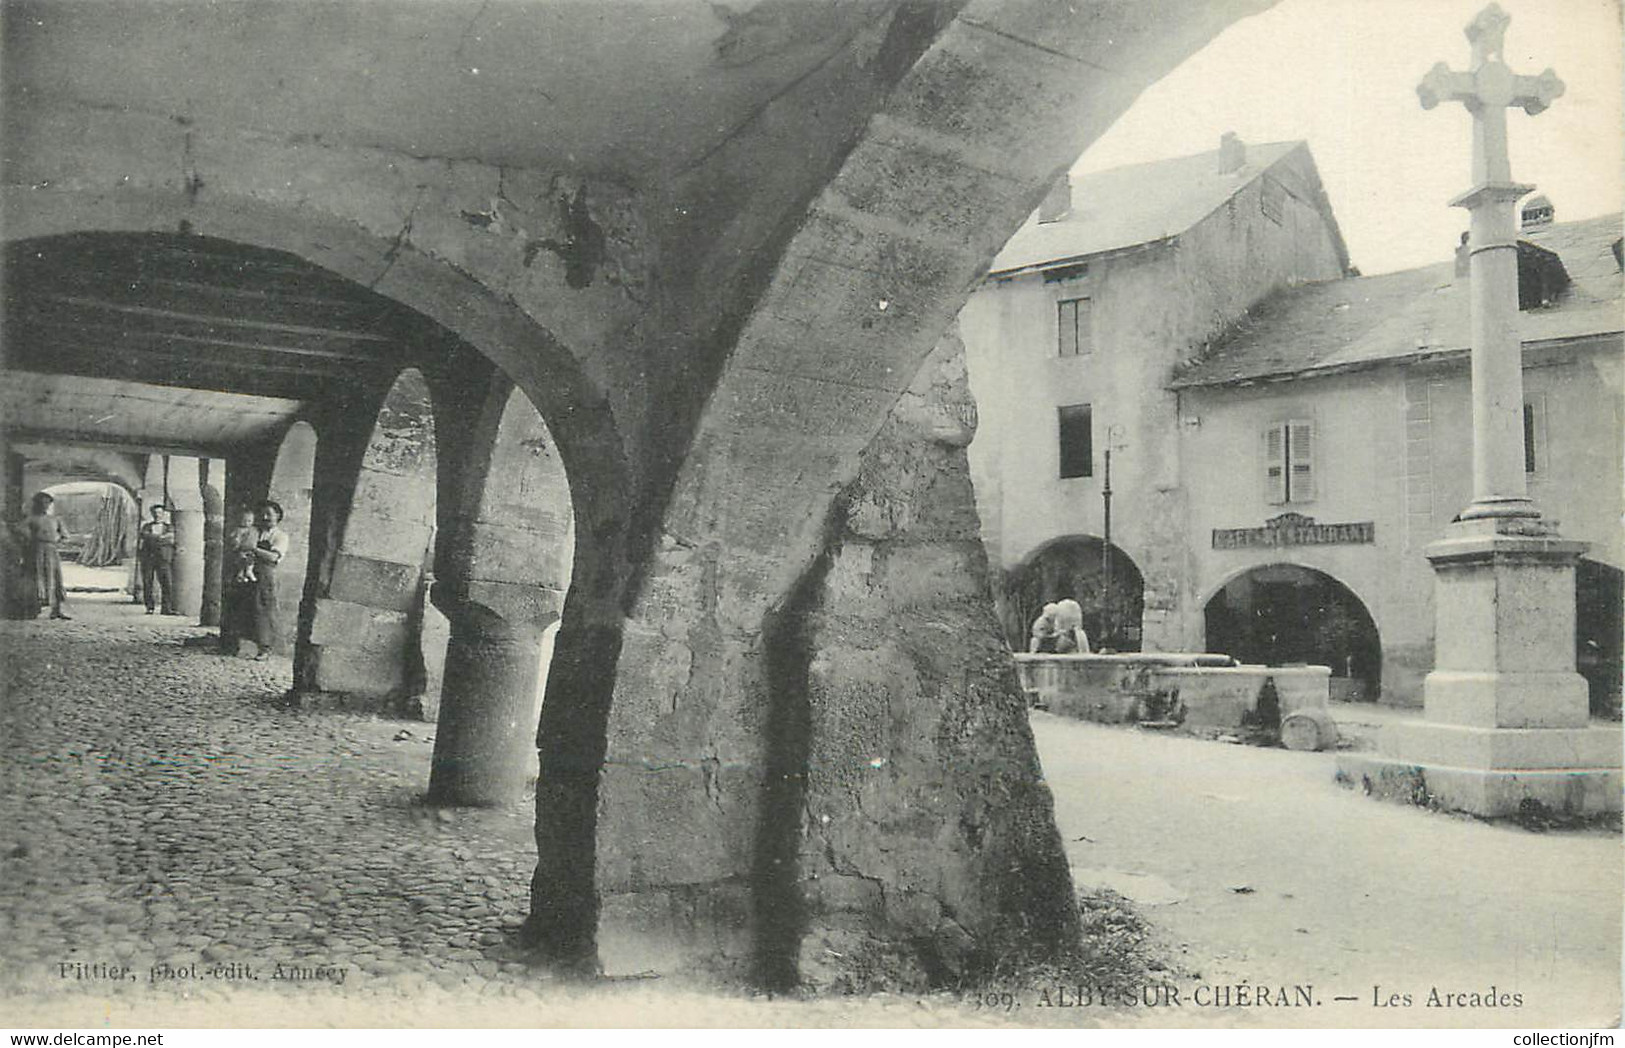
(1598, 596)
(102, 518)
(1109, 586)
(1282, 614)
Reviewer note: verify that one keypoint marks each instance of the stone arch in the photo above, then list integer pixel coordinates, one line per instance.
(522, 347)
(1281, 613)
(1599, 596)
(102, 516)
(365, 634)
(502, 575)
(584, 666)
(47, 464)
(713, 711)
(1076, 566)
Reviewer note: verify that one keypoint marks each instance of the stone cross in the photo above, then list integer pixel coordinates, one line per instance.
(1487, 90)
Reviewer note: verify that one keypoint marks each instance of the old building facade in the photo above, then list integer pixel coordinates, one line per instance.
(1072, 343)
(1281, 456)
(1350, 403)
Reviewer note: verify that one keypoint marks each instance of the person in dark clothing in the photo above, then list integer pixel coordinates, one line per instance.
(156, 548)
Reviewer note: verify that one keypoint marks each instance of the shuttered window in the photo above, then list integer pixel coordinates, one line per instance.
(1072, 320)
(1289, 461)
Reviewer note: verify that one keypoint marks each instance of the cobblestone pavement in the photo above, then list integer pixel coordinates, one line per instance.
(161, 810)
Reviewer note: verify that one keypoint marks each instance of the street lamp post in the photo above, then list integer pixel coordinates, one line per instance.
(1108, 629)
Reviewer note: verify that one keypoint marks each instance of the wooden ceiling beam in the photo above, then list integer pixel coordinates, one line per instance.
(248, 324)
(99, 331)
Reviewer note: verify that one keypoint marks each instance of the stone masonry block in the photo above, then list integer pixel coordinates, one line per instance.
(381, 538)
(395, 496)
(376, 583)
(1502, 749)
(341, 623)
(518, 603)
(518, 555)
(884, 175)
(356, 672)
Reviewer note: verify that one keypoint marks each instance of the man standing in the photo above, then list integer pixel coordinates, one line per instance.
(156, 549)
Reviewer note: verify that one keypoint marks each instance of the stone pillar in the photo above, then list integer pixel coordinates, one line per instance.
(1506, 716)
(214, 515)
(485, 742)
(1499, 486)
(505, 569)
(186, 502)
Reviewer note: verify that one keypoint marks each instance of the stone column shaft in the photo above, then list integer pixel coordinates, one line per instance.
(186, 497)
(213, 542)
(486, 735)
(1499, 486)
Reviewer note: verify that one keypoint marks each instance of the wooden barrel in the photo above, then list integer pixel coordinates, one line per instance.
(1310, 728)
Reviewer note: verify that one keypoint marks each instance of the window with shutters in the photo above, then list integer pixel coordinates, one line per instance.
(1072, 326)
(1077, 441)
(1289, 461)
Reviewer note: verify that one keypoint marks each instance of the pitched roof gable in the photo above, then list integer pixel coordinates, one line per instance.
(1339, 324)
(1139, 204)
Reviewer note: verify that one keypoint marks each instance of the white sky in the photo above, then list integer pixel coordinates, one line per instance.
(1342, 74)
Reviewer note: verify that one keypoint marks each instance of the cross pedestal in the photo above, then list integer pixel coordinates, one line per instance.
(1506, 717)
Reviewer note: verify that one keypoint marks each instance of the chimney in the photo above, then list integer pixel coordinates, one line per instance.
(1232, 153)
(1058, 204)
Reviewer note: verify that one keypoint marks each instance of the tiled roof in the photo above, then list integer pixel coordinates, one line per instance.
(1360, 321)
(1138, 204)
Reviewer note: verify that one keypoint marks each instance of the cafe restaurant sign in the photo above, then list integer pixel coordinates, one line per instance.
(1294, 529)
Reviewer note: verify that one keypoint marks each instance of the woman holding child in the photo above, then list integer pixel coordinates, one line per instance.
(254, 550)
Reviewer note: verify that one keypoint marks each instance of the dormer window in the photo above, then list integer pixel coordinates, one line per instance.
(1537, 213)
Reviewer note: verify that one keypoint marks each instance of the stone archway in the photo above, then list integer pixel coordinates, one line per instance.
(1279, 614)
(503, 569)
(1103, 579)
(365, 632)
